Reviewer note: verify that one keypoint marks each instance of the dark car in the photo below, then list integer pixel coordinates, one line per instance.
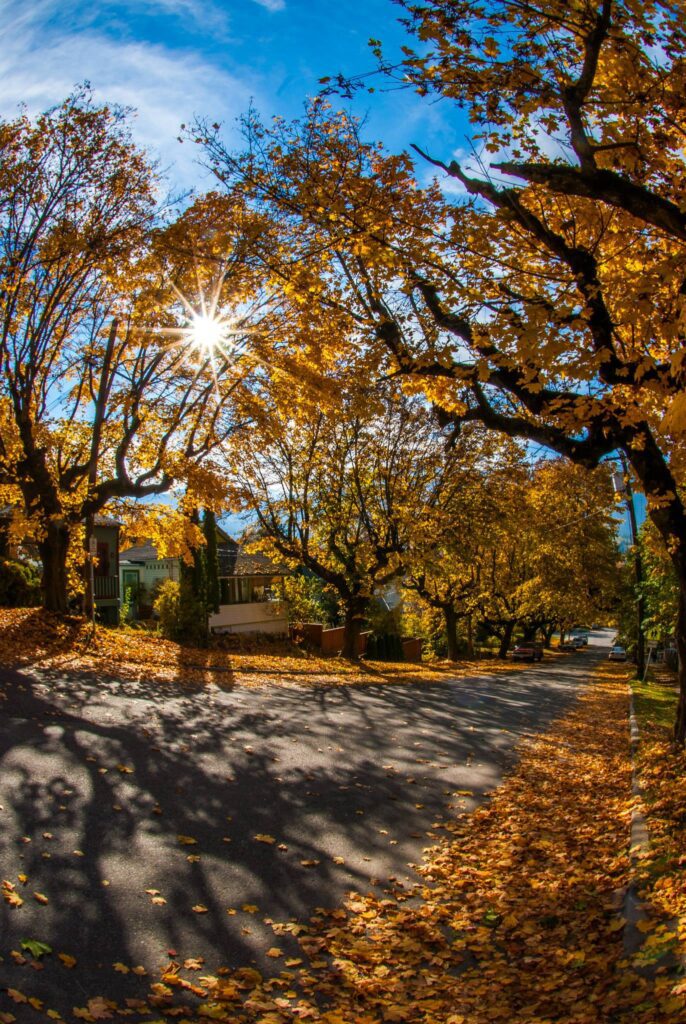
(527, 652)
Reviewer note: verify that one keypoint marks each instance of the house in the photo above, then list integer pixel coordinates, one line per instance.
(105, 568)
(251, 587)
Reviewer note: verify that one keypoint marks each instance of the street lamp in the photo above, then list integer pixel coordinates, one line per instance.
(621, 483)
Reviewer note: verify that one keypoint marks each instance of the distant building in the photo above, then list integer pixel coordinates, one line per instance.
(251, 587)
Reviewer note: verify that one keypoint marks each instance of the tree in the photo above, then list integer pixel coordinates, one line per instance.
(547, 301)
(457, 520)
(336, 491)
(101, 399)
(584, 351)
(209, 527)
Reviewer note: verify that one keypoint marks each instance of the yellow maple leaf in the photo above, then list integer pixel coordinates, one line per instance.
(187, 840)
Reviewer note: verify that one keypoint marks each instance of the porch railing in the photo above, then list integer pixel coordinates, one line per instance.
(106, 587)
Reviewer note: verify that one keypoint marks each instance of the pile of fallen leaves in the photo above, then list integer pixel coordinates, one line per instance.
(662, 867)
(29, 636)
(518, 918)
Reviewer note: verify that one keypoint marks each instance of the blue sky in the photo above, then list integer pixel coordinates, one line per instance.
(173, 59)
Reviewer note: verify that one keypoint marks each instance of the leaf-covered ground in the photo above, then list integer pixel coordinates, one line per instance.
(662, 776)
(518, 919)
(29, 636)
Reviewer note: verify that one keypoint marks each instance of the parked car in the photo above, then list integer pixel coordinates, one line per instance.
(617, 653)
(527, 652)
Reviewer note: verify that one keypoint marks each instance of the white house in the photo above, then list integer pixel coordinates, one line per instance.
(251, 599)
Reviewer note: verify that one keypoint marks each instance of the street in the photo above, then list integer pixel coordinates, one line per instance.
(160, 823)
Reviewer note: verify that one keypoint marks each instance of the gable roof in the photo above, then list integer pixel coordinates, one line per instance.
(233, 560)
(139, 553)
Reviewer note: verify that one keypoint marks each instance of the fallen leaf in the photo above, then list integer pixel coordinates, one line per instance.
(35, 948)
(40, 897)
(187, 840)
(193, 963)
(200, 908)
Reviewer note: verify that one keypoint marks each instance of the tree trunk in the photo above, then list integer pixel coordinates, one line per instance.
(506, 639)
(470, 637)
(53, 550)
(354, 620)
(451, 633)
(548, 637)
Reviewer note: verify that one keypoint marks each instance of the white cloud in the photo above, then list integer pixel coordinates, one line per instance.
(166, 87)
(272, 5)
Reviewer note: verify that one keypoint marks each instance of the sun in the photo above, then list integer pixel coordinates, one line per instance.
(206, 333)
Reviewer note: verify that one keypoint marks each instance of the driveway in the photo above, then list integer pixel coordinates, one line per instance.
(164, 822)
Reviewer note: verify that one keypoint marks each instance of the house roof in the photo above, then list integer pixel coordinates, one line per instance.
(252, 565)
(139, 553)
(233, 560)
(105, 521)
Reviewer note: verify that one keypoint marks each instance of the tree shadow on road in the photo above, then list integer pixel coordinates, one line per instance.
(112, 789)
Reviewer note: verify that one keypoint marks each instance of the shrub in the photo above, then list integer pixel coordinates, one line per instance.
(19, 584)
(166, 608)
(182, 616)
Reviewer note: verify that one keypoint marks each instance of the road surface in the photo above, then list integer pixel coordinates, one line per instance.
(127, 805)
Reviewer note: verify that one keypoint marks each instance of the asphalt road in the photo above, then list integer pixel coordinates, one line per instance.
(100, 779)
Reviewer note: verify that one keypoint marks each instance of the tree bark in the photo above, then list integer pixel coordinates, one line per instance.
(451, 633)
(506, 639)
(53, 550)
(470, 637)
(548, 636)
(353, 622)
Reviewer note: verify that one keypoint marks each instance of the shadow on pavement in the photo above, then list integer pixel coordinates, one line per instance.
(110, 789)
